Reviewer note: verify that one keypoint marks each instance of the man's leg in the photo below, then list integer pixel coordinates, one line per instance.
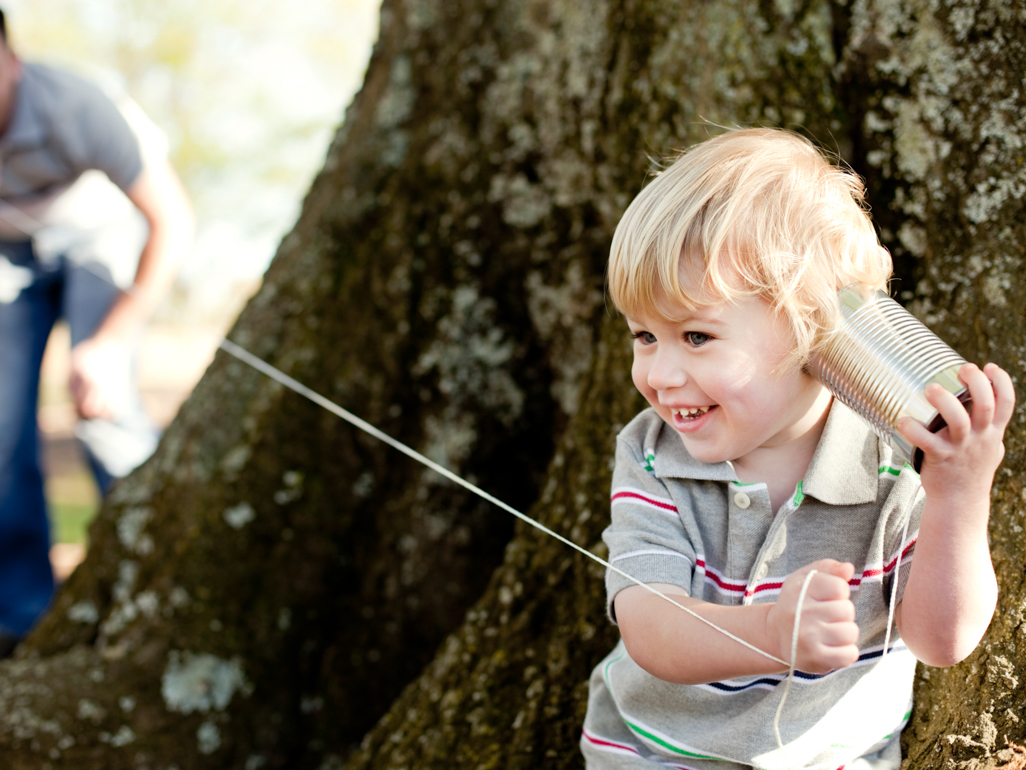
(113, 447)
(29, 298)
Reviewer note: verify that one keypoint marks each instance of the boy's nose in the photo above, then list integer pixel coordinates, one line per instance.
(666, 373)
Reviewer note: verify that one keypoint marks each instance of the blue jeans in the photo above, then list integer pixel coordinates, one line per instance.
(33, 295)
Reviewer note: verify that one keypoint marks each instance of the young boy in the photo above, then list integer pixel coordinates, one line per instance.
(744, 476)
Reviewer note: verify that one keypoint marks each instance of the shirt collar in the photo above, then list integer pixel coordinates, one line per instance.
(843, 471)
(845, 468)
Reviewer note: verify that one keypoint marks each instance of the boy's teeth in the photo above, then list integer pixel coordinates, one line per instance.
(691, 412)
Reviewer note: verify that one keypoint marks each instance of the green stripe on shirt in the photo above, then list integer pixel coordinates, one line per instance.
(798, 495)
(675, 749)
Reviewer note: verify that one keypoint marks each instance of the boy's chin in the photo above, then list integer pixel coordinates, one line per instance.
(701, 451)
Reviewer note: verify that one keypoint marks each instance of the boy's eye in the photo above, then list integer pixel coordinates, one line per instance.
(696, 338)
(646, 338)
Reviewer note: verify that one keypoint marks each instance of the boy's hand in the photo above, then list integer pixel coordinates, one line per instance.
(960, 460)
(827, 635)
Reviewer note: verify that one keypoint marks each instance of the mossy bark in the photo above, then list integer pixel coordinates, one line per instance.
(260, 593)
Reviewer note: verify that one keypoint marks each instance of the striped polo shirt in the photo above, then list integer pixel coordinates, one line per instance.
(680, 521)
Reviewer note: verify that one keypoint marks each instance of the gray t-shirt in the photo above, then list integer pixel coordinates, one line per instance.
(68, 157)
(679, 521)
(61, 127)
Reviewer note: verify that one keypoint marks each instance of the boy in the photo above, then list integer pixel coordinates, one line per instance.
(744, 476)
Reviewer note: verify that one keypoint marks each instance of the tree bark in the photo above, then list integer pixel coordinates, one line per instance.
(273, 585)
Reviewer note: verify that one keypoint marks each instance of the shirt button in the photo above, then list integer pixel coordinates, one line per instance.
(741, 500)
(762, 571)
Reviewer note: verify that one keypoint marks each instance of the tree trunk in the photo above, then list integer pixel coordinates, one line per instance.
(260, 593)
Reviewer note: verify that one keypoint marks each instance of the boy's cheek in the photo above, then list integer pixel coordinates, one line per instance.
(650, 395)
(640, 379)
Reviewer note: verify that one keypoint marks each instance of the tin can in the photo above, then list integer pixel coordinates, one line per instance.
(879, 361)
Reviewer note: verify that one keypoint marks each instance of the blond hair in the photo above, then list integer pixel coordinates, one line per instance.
(750, 213)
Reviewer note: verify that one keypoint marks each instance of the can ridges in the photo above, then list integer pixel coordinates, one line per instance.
(879, 362)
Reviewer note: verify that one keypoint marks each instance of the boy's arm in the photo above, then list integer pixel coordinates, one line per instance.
(951, 591)
(674, 646)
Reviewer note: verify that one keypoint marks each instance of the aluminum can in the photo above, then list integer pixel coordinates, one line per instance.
(879, 361)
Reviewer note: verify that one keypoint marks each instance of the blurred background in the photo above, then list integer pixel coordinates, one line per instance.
(249, 94)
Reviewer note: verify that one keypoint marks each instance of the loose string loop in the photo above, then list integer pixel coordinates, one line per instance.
(892, 604)
(794, 655)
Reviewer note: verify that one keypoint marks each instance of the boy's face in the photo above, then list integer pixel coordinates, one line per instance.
(713, 379)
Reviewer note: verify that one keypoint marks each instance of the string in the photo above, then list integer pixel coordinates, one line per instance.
(297, 387)
(894, 577)
(794, 655)
(246, 357)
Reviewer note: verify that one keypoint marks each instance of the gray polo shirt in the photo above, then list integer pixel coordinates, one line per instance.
(679, 521)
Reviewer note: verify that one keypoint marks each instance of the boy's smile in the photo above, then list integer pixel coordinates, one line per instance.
(714, 378)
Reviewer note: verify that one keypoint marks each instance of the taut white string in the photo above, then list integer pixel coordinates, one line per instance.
(794, 655)
(246, 357)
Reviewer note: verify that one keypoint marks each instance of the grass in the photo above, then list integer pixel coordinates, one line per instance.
(73, 503)
(69, 521)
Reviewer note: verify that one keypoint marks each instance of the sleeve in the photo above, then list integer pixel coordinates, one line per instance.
(646, 539)
(94, 134)
(904, 509)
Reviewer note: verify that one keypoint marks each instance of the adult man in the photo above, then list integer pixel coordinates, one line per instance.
(86, 205)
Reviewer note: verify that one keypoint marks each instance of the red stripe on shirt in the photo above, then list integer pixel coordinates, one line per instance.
(649, 500)
(603, 742)
(855, 582)
(742, 588)
(775, 586)
(718, 579)
(889, 567)
(624, 747)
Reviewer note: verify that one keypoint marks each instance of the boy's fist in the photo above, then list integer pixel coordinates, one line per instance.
(827, 632)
